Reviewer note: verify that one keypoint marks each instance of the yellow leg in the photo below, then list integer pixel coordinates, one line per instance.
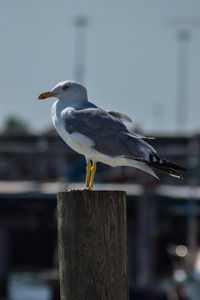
(93, 170)
(88, 169)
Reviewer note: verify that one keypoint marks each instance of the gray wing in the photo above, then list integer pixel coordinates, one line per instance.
(125, 118)
(109, 135)
(120, 116)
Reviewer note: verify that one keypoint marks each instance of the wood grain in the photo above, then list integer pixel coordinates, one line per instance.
(92, 245)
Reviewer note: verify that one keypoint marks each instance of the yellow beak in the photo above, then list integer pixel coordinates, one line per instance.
(46, 95)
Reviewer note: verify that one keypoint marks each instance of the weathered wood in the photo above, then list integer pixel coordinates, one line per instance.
(92, 245)
(5, 259)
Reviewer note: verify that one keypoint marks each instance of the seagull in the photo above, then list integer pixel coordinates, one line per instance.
(102, 135)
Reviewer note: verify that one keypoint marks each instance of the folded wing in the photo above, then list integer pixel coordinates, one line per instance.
(108, 133)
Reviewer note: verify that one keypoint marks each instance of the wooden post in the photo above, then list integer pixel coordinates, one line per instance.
(5, 259)
(92, 245)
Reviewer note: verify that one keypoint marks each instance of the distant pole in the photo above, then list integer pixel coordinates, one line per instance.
(192, 207)
(81, 23)
(159, 116)
(183, 38)
(92, 245)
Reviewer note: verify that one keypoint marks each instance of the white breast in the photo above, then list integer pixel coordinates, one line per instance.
(76, 141)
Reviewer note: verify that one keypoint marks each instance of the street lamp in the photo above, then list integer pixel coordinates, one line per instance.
(80, 23)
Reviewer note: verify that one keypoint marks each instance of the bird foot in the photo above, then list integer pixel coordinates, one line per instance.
(86, 188)
(81, 189)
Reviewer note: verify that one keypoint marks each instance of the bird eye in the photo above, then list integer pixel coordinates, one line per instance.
(65, 87)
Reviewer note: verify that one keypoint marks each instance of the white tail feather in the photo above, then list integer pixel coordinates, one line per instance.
(142, 166)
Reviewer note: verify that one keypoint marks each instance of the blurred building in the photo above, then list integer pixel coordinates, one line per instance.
(47, 157)
(163, 216)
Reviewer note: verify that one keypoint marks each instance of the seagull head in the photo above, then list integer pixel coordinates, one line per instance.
(66, 90)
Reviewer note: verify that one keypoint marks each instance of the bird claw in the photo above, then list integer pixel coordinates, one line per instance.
(85, 188)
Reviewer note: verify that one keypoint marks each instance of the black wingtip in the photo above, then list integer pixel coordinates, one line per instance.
(166, 166)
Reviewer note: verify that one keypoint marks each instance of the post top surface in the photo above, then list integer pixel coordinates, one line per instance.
(84, 191)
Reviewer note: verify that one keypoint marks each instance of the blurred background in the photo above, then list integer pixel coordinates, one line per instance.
(137, 57)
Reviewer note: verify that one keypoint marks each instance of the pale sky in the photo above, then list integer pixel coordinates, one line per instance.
(131, 57)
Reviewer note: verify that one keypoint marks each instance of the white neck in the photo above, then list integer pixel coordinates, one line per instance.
(74, 95)
(69, 102)
(60, 105)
